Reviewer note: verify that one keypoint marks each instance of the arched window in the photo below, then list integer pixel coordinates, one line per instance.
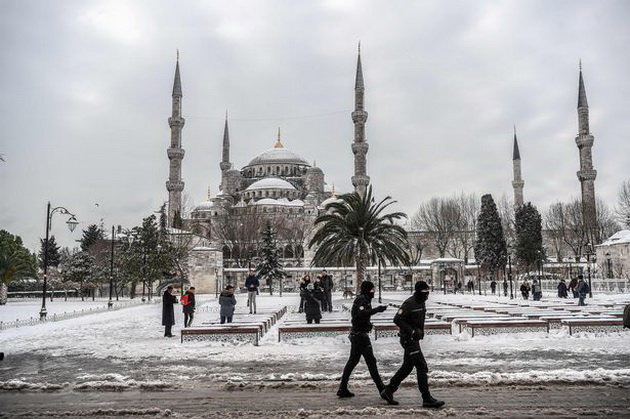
(227, 254)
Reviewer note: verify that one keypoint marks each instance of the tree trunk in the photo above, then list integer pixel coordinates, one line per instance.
(3, 293)
(361, 264)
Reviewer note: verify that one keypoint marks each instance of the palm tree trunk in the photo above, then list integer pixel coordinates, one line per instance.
(361, 264)
(3, 293)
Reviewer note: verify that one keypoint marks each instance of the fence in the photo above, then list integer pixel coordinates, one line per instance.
(70, 315)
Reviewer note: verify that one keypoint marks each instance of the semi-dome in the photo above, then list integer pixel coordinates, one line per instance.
(270, 183)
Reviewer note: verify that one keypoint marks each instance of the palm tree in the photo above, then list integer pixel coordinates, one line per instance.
(354, 230)
(14, 264)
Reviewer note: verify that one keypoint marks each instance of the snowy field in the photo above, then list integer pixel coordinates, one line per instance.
(125, 349)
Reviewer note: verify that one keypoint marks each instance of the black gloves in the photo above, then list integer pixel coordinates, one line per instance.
(380, 309)
(418, 334)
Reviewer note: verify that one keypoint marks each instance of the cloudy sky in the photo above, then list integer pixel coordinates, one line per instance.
(86, 91)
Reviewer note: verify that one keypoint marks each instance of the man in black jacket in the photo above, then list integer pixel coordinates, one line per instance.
(410, 320)
(252, 283)
(360, 339)
(168, 314)
(327, 286)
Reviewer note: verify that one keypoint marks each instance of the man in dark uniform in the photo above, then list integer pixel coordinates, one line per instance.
(327, 286)
(360, 339)
(410, 320)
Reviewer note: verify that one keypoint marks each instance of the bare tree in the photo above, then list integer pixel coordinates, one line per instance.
(440, 217)
(240, 233)
(555, 224)
(623, 204)
(606, 223)
(505, 206)
(464, 237)
(293, 233)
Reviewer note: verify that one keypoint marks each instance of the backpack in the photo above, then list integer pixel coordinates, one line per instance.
(185, 301)
(626, 317)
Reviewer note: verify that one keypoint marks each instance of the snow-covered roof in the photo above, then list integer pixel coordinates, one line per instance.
(270, 183)
(619, 237)
(204, 206)
(279, 202)
(279, 155)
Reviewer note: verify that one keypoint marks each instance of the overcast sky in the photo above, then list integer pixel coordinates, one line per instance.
(86, 93)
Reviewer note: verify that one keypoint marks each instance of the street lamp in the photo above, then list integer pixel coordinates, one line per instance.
(111, 271)
(589, 253)
(510, 247)
(380, 300)
(609, 262)
(72, 224)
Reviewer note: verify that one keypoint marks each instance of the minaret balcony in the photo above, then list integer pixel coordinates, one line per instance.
(175, 153)
(174, 186)
(360, 148)
(176, 121)
(584, 175)
(518, 184)
(584, 140)
(360, 180)
(359, 117)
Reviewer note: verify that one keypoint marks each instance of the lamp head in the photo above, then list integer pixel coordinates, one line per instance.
(72, 223)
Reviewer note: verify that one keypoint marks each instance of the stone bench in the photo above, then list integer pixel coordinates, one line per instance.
(493, 327)
(430, 328)
(593, 325)
(461, 322)
(223, 333)
(296, 331)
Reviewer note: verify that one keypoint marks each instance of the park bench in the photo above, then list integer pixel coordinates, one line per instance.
(492, 327)
(461, 322)
(224, 333)
(430, 328)
(297, 331)
(593, 325)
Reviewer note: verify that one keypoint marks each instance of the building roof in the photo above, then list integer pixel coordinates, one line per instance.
(279, 202)
(204, 206)
(619, 237)
(278, 155)
(270, 183)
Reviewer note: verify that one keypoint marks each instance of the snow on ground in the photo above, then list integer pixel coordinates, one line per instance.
(126, 349)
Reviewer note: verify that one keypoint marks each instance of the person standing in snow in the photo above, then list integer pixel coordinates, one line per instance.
(505, 287)
(306, 279)
(573, 287)
(410, 320)
(536, 291)
(360, 344)
(227, 301)
(582, 289)
(327, 287)
(493, 286)
(562, 289)
(188, 302)
(313, 297)
(251, 284)
(168, 313)
(525, 290)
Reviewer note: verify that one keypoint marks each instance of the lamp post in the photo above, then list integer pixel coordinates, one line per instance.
(609, 263)
(72, 224)
(509, 249)
(589, 253)
(110, 303)
(380, 300)
(478, 278)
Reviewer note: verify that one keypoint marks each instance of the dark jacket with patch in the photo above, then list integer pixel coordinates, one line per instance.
(411, 317)
(361, 312)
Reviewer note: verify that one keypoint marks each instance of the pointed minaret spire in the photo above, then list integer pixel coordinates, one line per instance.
(360, 147)
(209, 193)
(517, 181)
(587, 172)
(225, 161)
(175, 153)
(278, 142)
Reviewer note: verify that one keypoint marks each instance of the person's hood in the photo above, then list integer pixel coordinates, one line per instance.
(366, 287)
(225, 293)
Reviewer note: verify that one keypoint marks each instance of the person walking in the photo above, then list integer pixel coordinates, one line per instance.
(360, 344)
(168, 312)
(582, 289)
(227, 301)
(327, 287)
(505, 287)
(525, 290)
(562, 289)
(313, 297)
(410, 320)
(573, 287)
(251, 284)
(536, 291)
(306, 279)
(493, 286)
(188, 303)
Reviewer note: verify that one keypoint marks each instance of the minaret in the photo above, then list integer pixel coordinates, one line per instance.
(174, 184)
(225, 162)
(517, 181)
(360, 180)
(587, 173)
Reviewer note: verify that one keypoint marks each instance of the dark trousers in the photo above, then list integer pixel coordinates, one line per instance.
(301, 304)
(328, 301)
(360, 345)
(309, 320)
(188, 318)
(413, 358)
(167, 330)
(226, 318)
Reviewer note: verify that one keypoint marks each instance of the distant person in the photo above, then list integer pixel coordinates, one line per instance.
(168, 313)
(227, 301)
(536, 291)
(583, 289)
(573, 287)
(410, 320)
(327, 287)
(471, 286)
(459, 286)
(360, 344)
(525, 288)
(562, 289)
(493, 286)
(312, 303)
(188, 303)
(251, 284)
(306, 279)
(505, 287)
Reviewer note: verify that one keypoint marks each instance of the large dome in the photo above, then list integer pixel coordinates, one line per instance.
(278, 155)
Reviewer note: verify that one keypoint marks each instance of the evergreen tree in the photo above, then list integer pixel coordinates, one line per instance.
(490, 247)
(163, 220)
(529, 244)
(54, 258)
(91, 235)
(270, 267)
(16, 262)
(78, 268)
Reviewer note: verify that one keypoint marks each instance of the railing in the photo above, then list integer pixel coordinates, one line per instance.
(32, 321)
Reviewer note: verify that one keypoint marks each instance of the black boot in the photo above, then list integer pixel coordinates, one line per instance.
(388, 395)
(343, 393)
(431, 402)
